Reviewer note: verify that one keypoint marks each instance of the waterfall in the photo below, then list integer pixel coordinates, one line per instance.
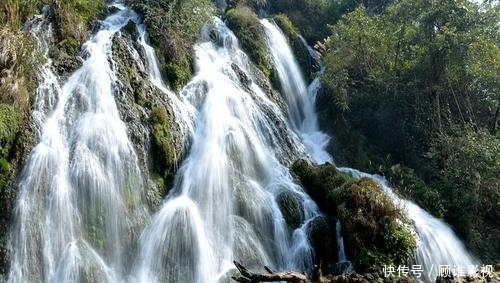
(224, 202)
(183, 111)
(299, 98)
(80, 190)
(437, 244)
(80, 214)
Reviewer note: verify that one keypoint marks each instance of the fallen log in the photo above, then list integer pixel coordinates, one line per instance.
(272, 276)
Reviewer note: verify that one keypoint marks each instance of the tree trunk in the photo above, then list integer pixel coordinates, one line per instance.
(272, 276)
(495, 120)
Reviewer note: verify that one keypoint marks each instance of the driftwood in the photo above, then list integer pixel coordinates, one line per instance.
(272, 276)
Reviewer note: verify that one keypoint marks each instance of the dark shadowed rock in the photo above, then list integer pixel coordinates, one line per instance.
(322, 236)
(291, 207)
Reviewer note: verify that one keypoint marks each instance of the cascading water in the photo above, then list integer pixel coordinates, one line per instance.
(437, 244)
(183, 111)
(300, 100)
(224, 202)
(80, 206)
(80, 191)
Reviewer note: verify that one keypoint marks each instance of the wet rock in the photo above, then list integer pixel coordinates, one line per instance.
(136, 97)
(291, 207)
(242, 76)
(322, 235)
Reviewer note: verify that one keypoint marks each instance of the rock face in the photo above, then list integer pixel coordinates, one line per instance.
(322, 236)
(291, 208)
(137, 97)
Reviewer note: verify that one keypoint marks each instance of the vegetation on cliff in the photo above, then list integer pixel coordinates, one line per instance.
(246, 26)
(174, 27)
(373, 228)
(411, 91)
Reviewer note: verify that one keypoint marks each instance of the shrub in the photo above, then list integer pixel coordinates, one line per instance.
(374, 234)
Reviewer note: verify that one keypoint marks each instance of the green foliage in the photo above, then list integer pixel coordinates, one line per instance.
(14, 13)
(286, 25)
(419, 83)
(174, 27)
(469, 167)
(73, 19)
(310, 17)
(373, 232)
(407, 183)
(177, 73)
(246, 26)
(319, 182)
(10, 122)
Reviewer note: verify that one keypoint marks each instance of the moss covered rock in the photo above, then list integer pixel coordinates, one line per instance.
(291, 207)
(320, 182)
(174, 27)
(374, 229)
(374, 233)
(246, 26)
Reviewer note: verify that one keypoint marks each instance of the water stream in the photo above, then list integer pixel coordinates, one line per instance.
(437, 244)
(81, 216)
(224, 202)
(80, 191)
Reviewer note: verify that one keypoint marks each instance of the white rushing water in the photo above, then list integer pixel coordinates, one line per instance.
(80, 214)
(299, 98)
(437, 244)
(224, 202)
(80, 191)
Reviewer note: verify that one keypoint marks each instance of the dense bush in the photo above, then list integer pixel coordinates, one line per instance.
(469, 170)
(310, 17)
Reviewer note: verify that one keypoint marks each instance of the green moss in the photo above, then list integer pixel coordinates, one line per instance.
(160, 184)
(177, 74)
(163, 147)
(374, 233)
(246, 26)
(183, 19)
(320, 182)
(10, 122)
(73, 19)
